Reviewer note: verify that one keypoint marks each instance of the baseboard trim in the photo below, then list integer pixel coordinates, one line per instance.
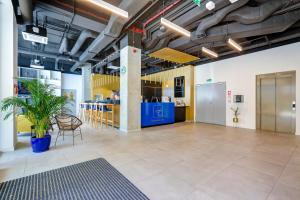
(7, 149)
(130, 131)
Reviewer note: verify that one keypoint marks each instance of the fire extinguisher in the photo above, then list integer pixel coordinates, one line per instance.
(16, 89)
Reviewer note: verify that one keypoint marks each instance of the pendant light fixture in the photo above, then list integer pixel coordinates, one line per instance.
(210, 52)
(234, 44)
(110, 8)
(175, 27)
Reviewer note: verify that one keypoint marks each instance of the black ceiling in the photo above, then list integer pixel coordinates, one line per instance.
(254, 24)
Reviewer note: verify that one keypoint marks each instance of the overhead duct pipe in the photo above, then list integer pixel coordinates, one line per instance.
(84, 35)
(251, 15)
(274, 24)
(185, 19)
(64, 46)
(216, 18)
(47, 55)
(111, 32)
(26, 11)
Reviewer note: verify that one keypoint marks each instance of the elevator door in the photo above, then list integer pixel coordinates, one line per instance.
(275, 98)
(211, 103)
(284, 101)
(268, 103)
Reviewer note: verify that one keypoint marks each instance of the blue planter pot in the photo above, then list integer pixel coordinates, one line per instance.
(41, 144)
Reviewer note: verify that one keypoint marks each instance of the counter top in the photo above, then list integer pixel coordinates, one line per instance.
(117, 102)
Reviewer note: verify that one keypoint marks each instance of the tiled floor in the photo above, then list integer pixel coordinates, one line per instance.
(181, 161)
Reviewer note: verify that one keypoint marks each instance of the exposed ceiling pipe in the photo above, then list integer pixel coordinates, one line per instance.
(216, 18)
(26, 11)
(53, 12)
(160, 13)
(274, 24)
(47, 55)
(184, 20)
(85, 34)
(111, 32)
(184, 7)
(107, 60)
(251, 15)
(251, 47)
(64, 46)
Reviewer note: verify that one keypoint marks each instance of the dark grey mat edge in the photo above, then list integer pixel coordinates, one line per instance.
(94, 179)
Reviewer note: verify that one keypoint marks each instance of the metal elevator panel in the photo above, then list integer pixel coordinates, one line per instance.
(211, 103)
(268, 104)
(204, 104)
(275, 95)
(284, 100)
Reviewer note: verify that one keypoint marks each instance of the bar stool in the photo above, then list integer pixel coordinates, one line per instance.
(82, 111)
(109, 111)
(95, 114)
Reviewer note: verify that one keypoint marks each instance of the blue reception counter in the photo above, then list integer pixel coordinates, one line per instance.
(154, 114)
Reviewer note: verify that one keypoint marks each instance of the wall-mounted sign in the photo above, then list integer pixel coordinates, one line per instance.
(229, 96)
(209, 80)
(123, 70)
(197, 2)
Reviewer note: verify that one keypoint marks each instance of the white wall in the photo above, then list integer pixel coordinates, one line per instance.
(74, 82)
(240, 72)
(8, 70)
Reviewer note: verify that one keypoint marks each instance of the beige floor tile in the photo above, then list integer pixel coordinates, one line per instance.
(284, 192)
(291, 176)
(261, 166)
(240, 183)
(179, 161)
(165, 186)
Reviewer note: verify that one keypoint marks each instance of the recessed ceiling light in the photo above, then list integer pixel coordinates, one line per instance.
(110, 7)
(210, 5)
(175, 27)
(209, 52)
(234, 44)
(113, 67)
(37, 66)
(233, 1)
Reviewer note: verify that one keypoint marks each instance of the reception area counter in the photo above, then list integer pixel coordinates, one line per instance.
(153, 114)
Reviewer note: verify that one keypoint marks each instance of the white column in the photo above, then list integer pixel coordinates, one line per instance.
(130, 89)
(8, 70)
(86, 81)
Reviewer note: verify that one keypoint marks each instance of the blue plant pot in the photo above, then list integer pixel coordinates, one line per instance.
(41, 144)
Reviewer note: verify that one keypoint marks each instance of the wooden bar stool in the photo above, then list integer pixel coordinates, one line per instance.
(94, 115)
(109, 112)
(82, 111)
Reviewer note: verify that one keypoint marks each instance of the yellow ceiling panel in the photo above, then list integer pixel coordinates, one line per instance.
(173, 55)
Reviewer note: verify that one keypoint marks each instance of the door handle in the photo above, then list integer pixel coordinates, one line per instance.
(294, 105)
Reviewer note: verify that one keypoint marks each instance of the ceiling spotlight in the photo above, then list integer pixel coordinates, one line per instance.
(233, 1)
(210, 5)
(234, 44)
(175, 27)
(35, 63)
(110, 7)
(209, 52)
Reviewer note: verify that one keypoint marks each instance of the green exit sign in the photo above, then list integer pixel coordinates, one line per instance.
(197, 2)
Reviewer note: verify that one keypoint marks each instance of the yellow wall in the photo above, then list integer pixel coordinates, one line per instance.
(167, 80)
(104, 84)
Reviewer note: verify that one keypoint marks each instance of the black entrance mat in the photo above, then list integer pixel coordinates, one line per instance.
(95, 179)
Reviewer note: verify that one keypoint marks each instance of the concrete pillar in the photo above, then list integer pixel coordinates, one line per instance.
(130, 89)
(8, 70)
(86, 81)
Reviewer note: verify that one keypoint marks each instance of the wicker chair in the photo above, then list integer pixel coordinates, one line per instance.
(68, 123)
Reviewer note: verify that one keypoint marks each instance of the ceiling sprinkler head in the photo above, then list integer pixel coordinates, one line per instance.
(210, 5)
(162, 29)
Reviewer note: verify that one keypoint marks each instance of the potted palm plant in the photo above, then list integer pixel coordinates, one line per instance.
(43, 105)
